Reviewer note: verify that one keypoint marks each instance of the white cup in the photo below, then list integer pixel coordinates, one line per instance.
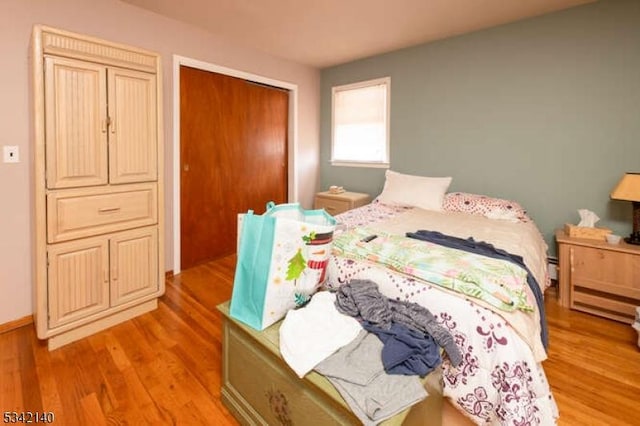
(613, 238)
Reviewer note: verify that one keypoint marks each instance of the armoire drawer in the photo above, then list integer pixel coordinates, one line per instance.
(81, 213)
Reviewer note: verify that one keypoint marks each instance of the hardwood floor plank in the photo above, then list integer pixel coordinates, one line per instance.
(201, 320)
(116, 352)
(10, 374)
(209, 376)
(92, 410)
(31, 396)
(164, 367)
(153, 331)
(593, 368)
(574, 412)
(144, 402)
(68, 385)
(113, 390)
(47, 377)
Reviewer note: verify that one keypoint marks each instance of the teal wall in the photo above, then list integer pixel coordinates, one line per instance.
(545, 111)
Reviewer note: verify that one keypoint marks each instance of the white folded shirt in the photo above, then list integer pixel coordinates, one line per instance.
(310, 334)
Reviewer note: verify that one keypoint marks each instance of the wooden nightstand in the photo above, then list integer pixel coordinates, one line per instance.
(598, 277)
(340, 203)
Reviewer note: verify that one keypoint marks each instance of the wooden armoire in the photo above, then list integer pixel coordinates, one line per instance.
(98, 195)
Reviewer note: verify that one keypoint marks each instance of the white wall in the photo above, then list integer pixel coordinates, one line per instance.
(119, 22)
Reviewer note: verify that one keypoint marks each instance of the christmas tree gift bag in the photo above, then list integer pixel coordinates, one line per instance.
(282, 259)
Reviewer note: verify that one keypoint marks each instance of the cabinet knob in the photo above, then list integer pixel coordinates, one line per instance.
(185, 167)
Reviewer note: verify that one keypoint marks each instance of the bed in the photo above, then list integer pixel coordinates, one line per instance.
(501, 379)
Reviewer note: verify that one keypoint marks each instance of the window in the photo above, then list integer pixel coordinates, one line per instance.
(360, 123)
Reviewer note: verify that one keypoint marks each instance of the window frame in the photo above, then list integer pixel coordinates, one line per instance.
(386, 82)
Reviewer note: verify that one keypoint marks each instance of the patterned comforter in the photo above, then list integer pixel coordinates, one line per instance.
(501, 380)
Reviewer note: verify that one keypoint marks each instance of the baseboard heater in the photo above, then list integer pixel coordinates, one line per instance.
(552, 266)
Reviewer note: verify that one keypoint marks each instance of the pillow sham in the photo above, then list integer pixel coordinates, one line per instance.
(495, 208)
(414, 191)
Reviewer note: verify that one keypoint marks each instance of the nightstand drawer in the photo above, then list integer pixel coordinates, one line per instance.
(605, 266)
(341, 202)
(332, 207)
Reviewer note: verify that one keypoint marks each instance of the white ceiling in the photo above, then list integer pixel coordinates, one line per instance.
(323, 33)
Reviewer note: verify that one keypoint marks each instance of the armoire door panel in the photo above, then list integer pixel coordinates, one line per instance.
(132, 126)
(78, 277)
(75, 123)
(134, 265)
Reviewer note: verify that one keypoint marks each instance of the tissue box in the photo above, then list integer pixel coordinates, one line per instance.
(588, 233)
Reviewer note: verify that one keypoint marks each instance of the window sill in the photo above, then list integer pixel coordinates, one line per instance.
(343, 163)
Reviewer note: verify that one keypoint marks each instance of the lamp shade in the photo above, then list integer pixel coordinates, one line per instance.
(628, 188)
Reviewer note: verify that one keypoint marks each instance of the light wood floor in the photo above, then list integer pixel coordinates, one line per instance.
(164, 367)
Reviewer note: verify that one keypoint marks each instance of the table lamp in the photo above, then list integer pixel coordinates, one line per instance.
(628, 189)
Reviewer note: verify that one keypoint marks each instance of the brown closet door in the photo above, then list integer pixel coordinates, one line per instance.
(233, 155)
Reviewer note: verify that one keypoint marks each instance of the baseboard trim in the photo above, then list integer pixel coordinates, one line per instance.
(12, 325)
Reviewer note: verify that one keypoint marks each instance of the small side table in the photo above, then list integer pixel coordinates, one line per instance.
(340, 203)
(599, 278)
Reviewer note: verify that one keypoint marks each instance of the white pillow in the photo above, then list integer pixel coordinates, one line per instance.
(414, 191)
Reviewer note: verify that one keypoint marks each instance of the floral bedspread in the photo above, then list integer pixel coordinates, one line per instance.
(499, 382)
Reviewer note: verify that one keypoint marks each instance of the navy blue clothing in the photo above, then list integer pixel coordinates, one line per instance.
(406, 350)
(362, 300)
(480, 247)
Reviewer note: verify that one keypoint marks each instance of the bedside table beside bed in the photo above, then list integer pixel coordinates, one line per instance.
(599, 278)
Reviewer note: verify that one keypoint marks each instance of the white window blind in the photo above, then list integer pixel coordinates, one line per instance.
(360, 123)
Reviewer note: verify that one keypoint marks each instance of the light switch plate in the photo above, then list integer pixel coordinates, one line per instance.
(11, 154)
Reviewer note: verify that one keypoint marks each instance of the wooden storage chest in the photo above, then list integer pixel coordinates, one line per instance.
(259, 388)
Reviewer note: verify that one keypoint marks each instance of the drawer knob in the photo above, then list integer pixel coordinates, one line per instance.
(109, 209)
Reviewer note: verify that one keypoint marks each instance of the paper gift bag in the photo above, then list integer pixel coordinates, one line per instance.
(282, 259)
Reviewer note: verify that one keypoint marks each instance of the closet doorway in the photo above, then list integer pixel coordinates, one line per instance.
(233, 157)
